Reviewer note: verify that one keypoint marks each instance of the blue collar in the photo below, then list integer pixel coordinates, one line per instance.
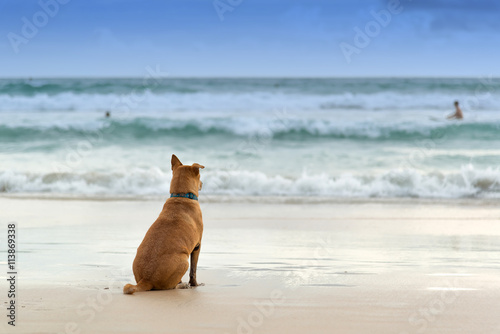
(187, 195)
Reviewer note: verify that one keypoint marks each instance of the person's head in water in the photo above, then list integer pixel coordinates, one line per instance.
(108, 114)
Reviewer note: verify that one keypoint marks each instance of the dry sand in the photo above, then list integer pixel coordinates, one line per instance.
(338, 267)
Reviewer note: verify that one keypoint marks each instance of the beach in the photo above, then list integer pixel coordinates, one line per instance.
(345, 156)
(275, 266)
(330, 205)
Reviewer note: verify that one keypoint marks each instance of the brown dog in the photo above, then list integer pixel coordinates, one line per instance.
(163, 256)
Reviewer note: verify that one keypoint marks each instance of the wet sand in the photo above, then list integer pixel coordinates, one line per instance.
(371, 266)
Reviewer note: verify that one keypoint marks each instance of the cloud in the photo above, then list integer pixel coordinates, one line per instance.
(260, 37)
(462, 5)
(451, 16)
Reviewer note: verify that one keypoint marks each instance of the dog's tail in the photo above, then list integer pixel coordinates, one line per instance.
(141, 286)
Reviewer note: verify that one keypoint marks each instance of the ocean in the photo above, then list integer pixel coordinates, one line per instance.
(258, 138)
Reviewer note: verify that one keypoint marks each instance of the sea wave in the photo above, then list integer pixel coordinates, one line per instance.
(317, 86)
(250, 94)
(469, 182)
(285, 128)
(148, 100)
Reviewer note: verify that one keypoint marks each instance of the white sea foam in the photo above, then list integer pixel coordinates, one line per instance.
(259, 101)
(369, 127)
(469, 182)
(359, 124)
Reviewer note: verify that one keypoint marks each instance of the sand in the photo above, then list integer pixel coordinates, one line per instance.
(359, 266)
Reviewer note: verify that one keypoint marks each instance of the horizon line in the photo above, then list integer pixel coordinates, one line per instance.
(255, 77)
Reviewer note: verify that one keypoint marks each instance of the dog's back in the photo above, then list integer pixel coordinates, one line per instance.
(175, 234)
(163, 256)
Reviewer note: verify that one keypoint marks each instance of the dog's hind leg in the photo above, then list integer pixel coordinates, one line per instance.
(141, 286)
(172, 270)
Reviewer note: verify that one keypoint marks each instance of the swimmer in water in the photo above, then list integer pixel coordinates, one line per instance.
(458, 113)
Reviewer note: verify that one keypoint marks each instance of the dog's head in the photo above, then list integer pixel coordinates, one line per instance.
(185, 178)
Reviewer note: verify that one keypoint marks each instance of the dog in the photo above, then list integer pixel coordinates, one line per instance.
(163, 256)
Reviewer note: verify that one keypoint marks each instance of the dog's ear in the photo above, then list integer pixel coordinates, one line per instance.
(175, 162)
(196, 168)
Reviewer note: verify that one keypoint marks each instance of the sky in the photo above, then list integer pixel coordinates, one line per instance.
(249, 38)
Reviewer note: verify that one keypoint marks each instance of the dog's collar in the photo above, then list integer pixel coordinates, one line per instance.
(186, 195)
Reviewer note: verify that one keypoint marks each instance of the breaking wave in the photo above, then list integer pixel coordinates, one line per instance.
(468, 183)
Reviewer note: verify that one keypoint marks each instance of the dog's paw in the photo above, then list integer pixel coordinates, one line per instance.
(195, 285)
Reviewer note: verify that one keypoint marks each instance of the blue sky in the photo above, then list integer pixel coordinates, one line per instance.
(249, 38)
